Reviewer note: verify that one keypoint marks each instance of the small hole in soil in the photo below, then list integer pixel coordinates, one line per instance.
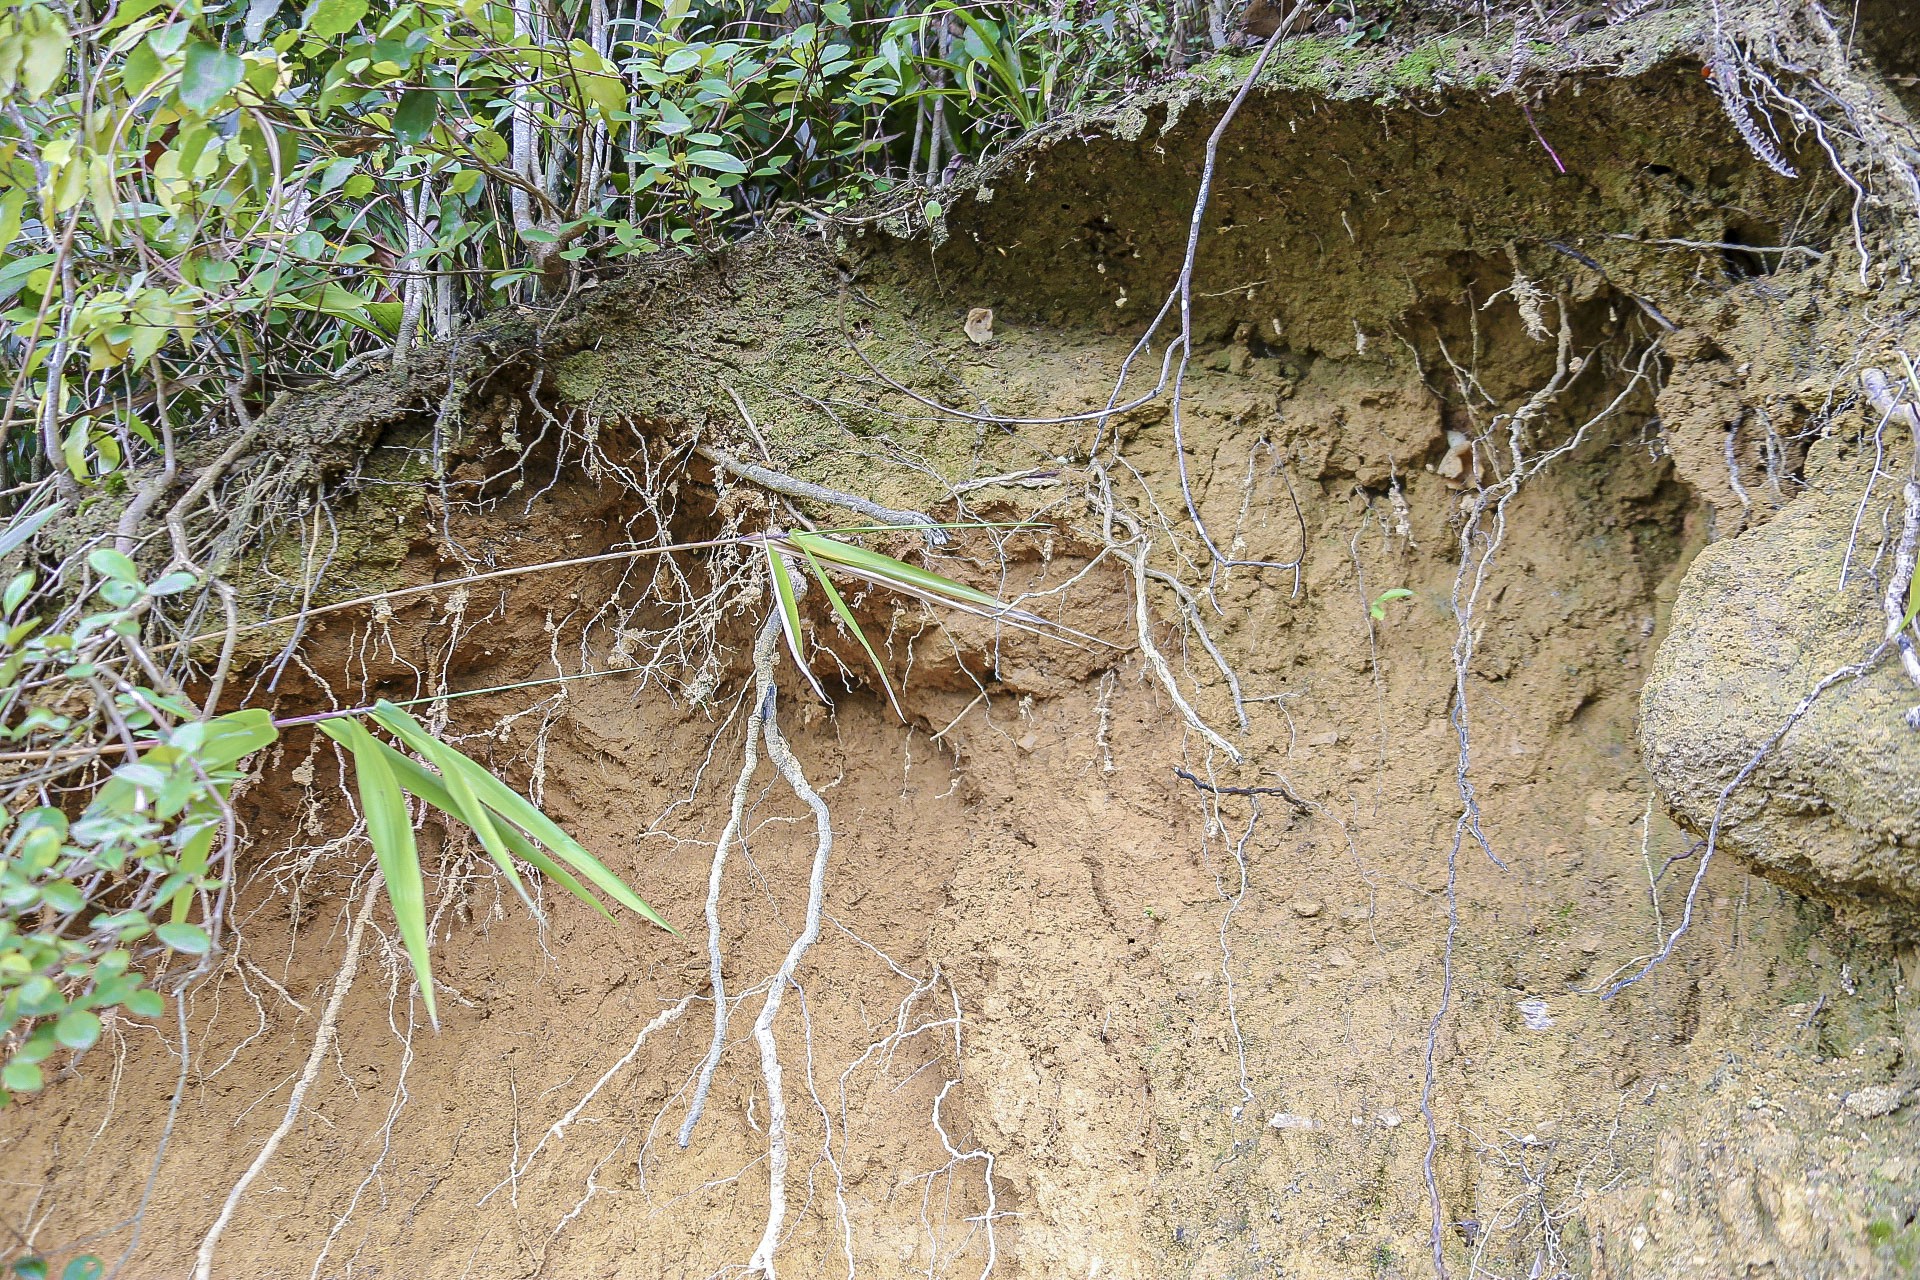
(1745, 263)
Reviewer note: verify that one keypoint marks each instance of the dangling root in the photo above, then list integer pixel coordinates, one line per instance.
(322, 1046)
(783, 759)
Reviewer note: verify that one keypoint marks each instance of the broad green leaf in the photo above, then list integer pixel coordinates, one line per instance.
(21, 1077)
(390, 828)
(209, 75)
(77, 1029)
(45, 56)
(86, 1267)
(17, 590)
(719, 161)
(330, 18)
(188, 938)
(413, 118)
(146, 1003)
(236, 735)
(259, 13)
(109, 563)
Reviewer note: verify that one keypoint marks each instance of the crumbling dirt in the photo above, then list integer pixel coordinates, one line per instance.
(1075, 1014)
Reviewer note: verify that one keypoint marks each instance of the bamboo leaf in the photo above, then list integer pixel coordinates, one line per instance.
(391, 830)
(421, 781)
(515, 808)
(789, 605)
(846, 615)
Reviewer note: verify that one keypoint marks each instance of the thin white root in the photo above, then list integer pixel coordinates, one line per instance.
(765, 651)
(558, 1129)
(1899, 582)
(1158, 661)
(322, 1046)
(783, 759)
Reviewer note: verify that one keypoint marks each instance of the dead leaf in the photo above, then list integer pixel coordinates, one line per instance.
(980, 325)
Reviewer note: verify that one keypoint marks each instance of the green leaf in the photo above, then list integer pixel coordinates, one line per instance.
(21, 528)
(1378, 609)
(189, 939)
(236, 735)
(77, 1029)
(719, 161)
(421, 781)
(21, 1077)
(846, 616)
(210, 74)
(788, 603)
(146, 1003)
(173, 584)
(45, 56)
(17, 590)
(413, 118)
(330, 18)
(259, 13)
(390, 828)
(467, 805)
(86, 1267)
(30, 1268)
(515, 808)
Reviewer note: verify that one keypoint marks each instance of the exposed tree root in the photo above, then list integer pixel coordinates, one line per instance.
(322, 1046)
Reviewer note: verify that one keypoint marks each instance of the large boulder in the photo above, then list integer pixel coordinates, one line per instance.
(1833, 807)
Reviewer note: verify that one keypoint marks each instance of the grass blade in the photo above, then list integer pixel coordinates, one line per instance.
(512, 807)
(421, 781)
(391, 829)
(846, 616)
(789, 605)
(467, 805)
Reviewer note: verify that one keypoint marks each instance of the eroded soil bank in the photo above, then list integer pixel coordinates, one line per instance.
(1090, 998)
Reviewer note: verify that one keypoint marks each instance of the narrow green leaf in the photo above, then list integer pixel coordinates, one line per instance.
(467, 805)
(846, 615)
(421, 781)
(788, 604)
(899, 572)
(516, 808)
(391, 830)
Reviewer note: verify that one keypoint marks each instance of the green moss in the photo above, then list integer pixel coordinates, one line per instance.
(1423, 66)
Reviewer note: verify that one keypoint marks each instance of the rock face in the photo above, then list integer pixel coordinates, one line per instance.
(1833, 807)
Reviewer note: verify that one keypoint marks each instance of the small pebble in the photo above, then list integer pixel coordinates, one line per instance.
(1388, 1119)
(1305, 908)
(1288, 1120)
(1338, 959)
(1534, 1011)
